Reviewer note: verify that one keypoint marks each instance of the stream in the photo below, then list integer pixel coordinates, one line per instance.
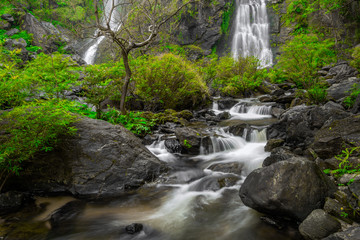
(198, 199)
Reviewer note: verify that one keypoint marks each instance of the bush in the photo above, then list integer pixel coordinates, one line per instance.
(356, 58)
(238, 77)
(30, 129)
(169, 80)
(350, 100)
(316, 94)
(301, 58)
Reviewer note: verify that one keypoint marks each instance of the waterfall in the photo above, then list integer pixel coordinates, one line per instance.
(90, 54)
(251, 37)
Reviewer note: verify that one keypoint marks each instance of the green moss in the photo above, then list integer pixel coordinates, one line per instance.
(226, 17)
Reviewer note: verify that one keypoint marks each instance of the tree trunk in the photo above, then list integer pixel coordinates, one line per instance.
(125, 56)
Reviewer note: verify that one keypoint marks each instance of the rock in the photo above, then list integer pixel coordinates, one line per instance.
(173, 146)
(276, 112)
(342, 71)
(333, 105)
(13, 201)
(273, 143)
(45, 34)
(340, 90)
(266, 98)
(190, 140)
(346, 178)
(5, 25)
(298, 125)
(287, 98)
(226, 103)
(278, 154)
(278, 191)
(352, 233)
(329, 139)
(228, 180)
(101, 160)
(67, 214)
(354, 188)
(318, 225)
(134, 228)
(238, 130)
(12, 32)
(12, 44)
(335, 208)
(223, 116)
(8, 17)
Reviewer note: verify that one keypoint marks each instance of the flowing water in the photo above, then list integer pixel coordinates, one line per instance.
(251, 36)
(90, 54)
(198, 200)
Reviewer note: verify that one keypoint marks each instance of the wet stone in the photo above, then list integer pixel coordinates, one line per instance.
(134, 228)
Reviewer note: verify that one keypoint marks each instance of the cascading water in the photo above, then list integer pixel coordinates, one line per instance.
(197, 200)
(90, 54)
(251, 36)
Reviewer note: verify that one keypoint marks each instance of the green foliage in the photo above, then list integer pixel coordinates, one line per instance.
(316, 94)
(354, 93)
(51, 74)
(356, 58)
(301, 58)
(237, 77)
(226, 17)
(31, 129)
(187, 144)
(102, 82)
(24, 35)
(170, 80)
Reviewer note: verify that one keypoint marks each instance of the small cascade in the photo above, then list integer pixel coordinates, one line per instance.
(251, 37)
(255, 135)
(90, 54)
(244, 110)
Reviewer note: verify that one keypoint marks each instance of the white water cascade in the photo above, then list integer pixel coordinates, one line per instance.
(251, 37)
(89, 56)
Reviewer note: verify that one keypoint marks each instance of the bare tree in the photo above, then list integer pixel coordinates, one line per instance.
(133, 24)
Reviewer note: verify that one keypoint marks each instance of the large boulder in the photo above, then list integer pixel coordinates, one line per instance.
(340, 90)
(289, 189)
(298, 125)
(102, 160)
(330, 139)
(352, 233)
(318, 225)
(189, 139)
(45, 34)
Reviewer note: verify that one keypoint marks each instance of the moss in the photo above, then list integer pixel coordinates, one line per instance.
(226, 17)
(24, 230)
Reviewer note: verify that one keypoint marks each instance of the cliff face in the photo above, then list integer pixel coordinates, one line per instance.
(341, 24)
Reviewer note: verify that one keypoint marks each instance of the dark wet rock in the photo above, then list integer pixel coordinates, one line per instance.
(352, 233)
(266, 98)
(226, 103)
(8, 17)
(335, 208)
(67, 214)
(223, 116)
(330, 163)
(354, 188)
(13, 201)
(330, 139)
(319, 225)
(12, 44)
(276, 112)
(278, 154)
(340, 90)
(203, 113)
(341, 71)
(278, 92)
(230, 179)
(298, 125)
(173, 146)
(44, 34)
(273, 143)
(254, 122)
(101, 160)
(190, 140)
(287, 98)
(278, 191)
(12, 32)
(134, 228)
(238, 130)
(4, 25)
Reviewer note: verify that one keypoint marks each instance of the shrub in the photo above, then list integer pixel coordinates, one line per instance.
(301, 58)
(30, 129)
(316, 94)
(169, 80)
(102, 82)
(356, 58)
(238, 77)
(350, 100)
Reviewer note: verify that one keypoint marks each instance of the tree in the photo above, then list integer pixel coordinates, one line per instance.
(133, 24)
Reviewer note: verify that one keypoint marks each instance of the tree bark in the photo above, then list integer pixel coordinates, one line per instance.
(125, 56)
